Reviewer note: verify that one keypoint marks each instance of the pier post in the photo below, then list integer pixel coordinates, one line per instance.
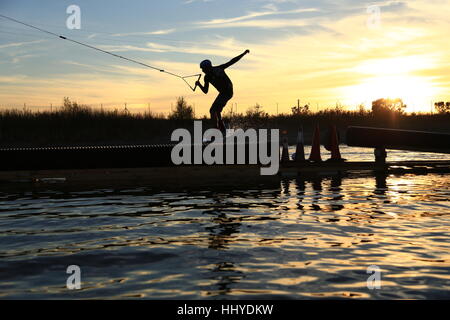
(380, 155)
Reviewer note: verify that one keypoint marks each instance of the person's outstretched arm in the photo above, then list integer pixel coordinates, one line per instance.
(234, 60)
(204, 87)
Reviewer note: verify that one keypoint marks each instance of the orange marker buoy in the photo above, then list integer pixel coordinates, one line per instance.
(285, 152)
(334, 145)
(300, 148)
(315, 149)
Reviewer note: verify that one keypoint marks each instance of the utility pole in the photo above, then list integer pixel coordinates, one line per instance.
(277, 109)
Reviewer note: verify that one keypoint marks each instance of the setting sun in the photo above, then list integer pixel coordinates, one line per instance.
(394, 78)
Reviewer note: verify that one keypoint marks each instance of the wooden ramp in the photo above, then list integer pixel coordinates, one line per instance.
(398, 139)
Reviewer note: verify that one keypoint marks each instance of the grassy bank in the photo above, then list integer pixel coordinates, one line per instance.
(73, 124)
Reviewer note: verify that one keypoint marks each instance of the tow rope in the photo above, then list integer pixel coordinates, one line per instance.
(107, 52)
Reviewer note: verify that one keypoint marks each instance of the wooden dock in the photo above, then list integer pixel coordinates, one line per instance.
(214, 175)
(152, 165)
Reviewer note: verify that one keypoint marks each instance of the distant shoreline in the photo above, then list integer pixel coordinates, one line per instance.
(80, 128)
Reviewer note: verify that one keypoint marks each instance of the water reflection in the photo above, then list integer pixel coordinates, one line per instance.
(307, 237)
(380, 184)
(224, 276)
(335, 189)
(300, 185)
(221, 233)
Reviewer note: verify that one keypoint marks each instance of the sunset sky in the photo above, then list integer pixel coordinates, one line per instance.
(319, 51)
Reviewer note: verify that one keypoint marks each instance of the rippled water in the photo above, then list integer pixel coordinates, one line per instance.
(299, 239)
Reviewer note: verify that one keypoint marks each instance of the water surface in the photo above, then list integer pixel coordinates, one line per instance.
(300, 239)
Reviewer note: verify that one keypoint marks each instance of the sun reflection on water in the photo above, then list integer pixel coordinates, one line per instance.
(301, 238)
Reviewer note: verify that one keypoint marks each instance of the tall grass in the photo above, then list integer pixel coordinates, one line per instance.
(79, 124)
(74, 124)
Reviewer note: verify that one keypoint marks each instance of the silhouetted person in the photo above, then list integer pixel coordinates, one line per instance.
(219, 79)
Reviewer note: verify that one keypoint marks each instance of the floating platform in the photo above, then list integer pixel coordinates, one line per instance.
(152, 164)
(238, 176)
(97, 157)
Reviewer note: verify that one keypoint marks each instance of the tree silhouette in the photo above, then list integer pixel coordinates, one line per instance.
(442, 107)
(182, 111)
(384, 106)
(300, 110)
(256, 112)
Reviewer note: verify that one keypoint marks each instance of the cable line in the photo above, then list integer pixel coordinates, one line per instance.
(106, 52)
